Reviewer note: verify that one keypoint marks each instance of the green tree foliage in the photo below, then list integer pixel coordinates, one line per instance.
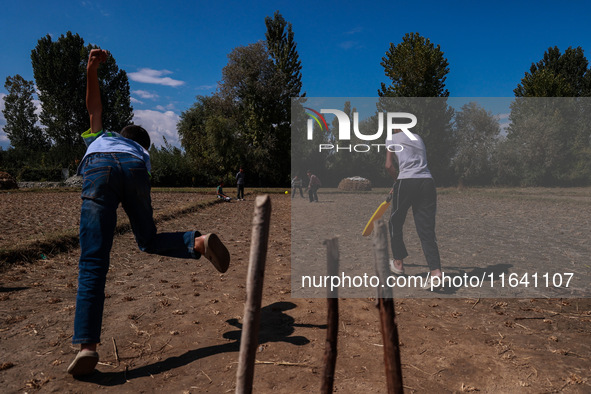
(283, 51)
(21, 120)
(305, 154)
(557, 75)
(250, 82)
(171, 167)
(476, 131)
(250, 89)
(282, 48)
(193, 133)
(550, 138)
(59, 68)
(236, 125)
(247, 121)
(418, 68)
(544, 134)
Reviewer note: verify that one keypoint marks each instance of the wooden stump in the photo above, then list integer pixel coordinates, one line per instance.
(254, 294)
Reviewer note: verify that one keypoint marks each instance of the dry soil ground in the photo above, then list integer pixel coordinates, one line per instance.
(174, 325)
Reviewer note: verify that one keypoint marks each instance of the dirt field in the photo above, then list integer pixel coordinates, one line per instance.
(176, 324)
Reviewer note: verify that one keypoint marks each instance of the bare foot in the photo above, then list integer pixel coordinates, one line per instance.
(200, 244)
(88, 346)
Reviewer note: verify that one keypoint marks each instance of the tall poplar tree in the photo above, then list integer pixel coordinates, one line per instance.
(247, 121)
(418, 68)
(59, 68)
(21, 120)
(283, 52)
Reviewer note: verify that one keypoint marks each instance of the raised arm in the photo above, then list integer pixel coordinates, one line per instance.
(93, 93)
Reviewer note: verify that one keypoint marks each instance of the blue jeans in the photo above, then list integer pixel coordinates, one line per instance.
(110, 179)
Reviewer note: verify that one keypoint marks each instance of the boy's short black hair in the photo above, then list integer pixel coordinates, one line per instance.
(137, 134)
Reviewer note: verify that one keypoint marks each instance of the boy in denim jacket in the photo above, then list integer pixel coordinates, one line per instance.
(116, 169)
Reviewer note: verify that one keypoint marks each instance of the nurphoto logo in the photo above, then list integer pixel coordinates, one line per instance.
(344, 130)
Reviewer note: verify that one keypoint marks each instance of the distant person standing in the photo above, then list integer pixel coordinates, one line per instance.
(313, 186)
(296, 183)
(240, 184)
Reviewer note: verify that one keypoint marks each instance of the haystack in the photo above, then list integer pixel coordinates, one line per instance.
(7, 181)
(355, 183)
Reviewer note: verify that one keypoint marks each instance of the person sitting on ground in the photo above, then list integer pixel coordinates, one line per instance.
(116, 169)
(220, 192)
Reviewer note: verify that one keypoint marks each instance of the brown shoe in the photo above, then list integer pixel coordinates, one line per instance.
(216, 252)
(84, 363)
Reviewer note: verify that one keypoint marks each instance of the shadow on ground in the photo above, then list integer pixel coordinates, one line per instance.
(276, 326)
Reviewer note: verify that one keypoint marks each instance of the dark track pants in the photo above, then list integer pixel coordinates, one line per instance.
(420, 194)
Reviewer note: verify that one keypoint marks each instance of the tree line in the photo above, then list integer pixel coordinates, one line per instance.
(547, 141)
(247, 121)
(59, 70)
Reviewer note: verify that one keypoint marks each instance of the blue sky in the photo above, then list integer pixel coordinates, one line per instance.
(175, 50)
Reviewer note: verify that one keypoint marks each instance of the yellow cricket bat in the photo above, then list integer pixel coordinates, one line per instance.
(376, 215)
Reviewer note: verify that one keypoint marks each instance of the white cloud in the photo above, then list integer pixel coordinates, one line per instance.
(349, 44)
(206, 87)
(355, 30)
(147, 75)
(94, 7)
(169, 107)
(4, 141)
(38, 109)
(135, 101)
(504, 122)
(159, 124)
(145, 94)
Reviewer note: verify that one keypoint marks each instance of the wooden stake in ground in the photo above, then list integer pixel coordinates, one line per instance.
(386, 306)
(332, 332)
(254, 294)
